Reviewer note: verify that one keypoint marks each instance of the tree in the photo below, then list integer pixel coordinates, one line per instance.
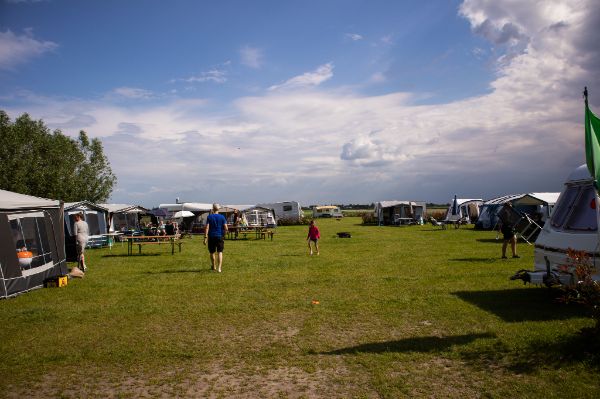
(47, 164)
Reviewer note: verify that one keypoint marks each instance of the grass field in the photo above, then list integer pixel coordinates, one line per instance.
(402, 312)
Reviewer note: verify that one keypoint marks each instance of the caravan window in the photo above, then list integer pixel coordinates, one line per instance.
(564, 205)
(583, 215)
(287, 208)
(575, 209)
(29, 234)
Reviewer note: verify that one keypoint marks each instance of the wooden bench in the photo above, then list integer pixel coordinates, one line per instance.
(267, 233)
(171, 243)
(153, 240)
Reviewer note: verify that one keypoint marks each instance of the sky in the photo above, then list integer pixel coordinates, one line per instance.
(330, 101)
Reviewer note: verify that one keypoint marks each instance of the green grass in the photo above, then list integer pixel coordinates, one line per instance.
(403, 312)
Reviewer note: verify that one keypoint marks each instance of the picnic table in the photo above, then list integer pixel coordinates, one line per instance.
(258, 231)
(140, 241)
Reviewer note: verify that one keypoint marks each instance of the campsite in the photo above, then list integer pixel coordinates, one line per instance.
(288, 199)
(409, 311)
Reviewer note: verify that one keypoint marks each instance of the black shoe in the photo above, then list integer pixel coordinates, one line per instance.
(516, 256)
(504, 257)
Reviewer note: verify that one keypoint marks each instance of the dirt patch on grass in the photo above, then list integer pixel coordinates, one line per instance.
(214, 381)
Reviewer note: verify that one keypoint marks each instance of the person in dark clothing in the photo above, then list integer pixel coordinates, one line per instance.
(216, 227)
(508, 232)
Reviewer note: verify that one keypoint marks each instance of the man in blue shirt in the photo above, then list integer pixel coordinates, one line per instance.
(216, 227)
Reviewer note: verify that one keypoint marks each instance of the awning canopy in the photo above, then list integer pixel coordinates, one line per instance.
(538, 199)
(11, 200)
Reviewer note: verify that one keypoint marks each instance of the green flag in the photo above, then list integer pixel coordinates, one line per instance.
(592, 144)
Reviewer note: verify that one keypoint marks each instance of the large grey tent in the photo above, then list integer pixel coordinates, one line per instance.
(34, 226)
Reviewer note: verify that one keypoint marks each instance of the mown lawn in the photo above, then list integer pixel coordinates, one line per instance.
(402, 312)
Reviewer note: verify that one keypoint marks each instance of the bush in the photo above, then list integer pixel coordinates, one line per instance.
(369, 218)
(586, 290)
(293, 221)
(438, 215)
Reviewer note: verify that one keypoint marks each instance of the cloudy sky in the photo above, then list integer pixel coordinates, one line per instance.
(337, 101)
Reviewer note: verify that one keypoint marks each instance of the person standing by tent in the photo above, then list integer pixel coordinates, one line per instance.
(237, 220)
(216, 227)
(82, 232)
(508, 231)
(313, 236)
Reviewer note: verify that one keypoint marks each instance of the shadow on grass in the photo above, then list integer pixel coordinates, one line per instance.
(522, 304)
(474, 259)
(418, 344)
(579, 348)
(180, 271)
(127, 256)
(490, 240)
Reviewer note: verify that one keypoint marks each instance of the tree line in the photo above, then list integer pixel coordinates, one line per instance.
(49, 164)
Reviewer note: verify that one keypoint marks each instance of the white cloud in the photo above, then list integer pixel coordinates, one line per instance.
(387, 39)
(308, 79)
(133, 93)
(354, 36)
(20, 49)
(377, 77)
(213, 75)
(251, 57)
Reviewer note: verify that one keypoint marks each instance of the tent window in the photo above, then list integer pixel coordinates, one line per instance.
(564, 205)
(583, 216)
(29, 234)
(125, 221)
(93, 223)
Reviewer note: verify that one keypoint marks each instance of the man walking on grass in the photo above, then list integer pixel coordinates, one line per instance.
(216, 227)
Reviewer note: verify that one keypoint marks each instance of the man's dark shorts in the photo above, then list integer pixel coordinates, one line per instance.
(215, 244)
(508, 232)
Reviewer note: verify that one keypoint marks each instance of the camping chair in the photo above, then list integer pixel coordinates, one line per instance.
(437, 224)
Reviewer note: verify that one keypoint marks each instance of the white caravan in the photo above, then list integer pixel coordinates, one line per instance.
(573, 224)
(327, 211)
(284, 210)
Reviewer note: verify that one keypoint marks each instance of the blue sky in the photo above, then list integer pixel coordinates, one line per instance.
(315, 101)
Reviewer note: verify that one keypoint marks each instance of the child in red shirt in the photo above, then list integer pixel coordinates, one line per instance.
(313, 235)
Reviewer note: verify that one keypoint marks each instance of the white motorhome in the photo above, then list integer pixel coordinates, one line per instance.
(573, 224)
(284, 210)
(327, 211)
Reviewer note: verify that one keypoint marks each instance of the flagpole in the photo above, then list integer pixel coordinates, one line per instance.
(585, 96)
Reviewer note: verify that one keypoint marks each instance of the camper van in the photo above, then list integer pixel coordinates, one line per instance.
(327, 211)
(284, 210)
(573, 224)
